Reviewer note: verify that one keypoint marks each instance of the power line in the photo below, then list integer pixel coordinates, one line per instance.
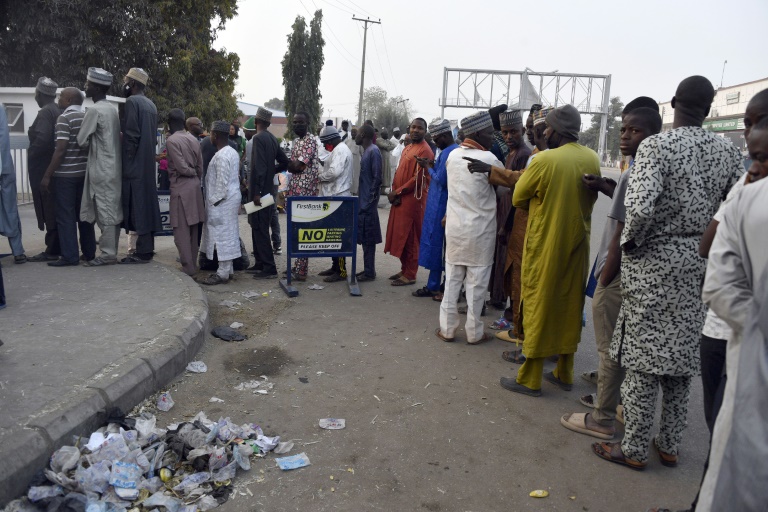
(359, 9)
(328, 26)
(343, 8)
(389, 62)
(378, 58)
(330, 40)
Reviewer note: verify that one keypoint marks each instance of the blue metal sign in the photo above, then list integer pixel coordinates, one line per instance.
(322, 227)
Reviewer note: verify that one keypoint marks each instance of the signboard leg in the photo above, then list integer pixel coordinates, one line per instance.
(285, 284)
(354, 288)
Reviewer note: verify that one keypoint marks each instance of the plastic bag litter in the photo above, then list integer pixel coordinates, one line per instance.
(293, 462)
(152, 485)
(113, 448)
(125, 474)
(253, 384)
(212, 434)
(267, 444)
(283, 447)
(146, 426)
(227, 333)
(215, 399)
(188, 508)
(193, 481)
(225, 473)
(165, 402)
(94, 478)
(218, 459)
(315, 287)
(65, 459)
(44, 491)
(332, 423)
(231, 304)
(195, 438)
(159, 499)
(236, 325)
(197, 367)
(207, 503)
(240, 453)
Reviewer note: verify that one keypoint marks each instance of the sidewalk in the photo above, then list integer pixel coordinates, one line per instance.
(79, 341)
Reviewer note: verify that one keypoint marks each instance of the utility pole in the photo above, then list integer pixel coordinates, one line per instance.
(723, 75)
(362, 70)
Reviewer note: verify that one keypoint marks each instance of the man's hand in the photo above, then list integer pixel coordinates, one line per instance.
(425, 163)
(257, 200)
(45, 183)
(477, 166)
(599, 184)
(392, 196)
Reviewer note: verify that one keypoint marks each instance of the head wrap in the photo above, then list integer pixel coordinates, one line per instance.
(510, 118)
(221, 127)
(250, 124)
(395, 129)
(263, 114)
(540, 116)
(138, 74)
(565, 120)
(46, 86)
(329, 122)
(476, 122)
(328, 134)
(99, 76)
(534, 108)
(439, 126)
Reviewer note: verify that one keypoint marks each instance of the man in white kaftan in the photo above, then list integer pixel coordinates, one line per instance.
(222, 202)
(734, 289)
(470, 230)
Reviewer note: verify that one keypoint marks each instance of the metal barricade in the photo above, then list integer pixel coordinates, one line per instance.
(23, 190)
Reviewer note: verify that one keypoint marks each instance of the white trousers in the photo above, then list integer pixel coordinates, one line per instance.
(475, 281)
(226, 269)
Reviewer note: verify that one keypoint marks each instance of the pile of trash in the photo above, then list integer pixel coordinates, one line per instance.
(132, 466)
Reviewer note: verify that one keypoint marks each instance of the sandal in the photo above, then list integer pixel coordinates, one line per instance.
(442, 337)
(423, 292)
(133, 260)
(590, 377)
(213, 279)
(438, 297)
(396, 276)
(612, 453)
(485, 337)
(667, 459)
(508, 336)
(98, 262)
(577, 422)
(402, 281)
(588, 400)
(513, 356)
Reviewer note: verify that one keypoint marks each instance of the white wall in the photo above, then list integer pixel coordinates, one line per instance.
(720, 106)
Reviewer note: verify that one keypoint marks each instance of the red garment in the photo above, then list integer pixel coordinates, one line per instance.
(412, 183)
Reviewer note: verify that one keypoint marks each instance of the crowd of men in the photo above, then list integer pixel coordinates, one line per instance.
(487, 216)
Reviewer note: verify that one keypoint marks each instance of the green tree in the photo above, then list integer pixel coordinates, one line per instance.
(302, 64)
(385, 111)
(591, 136)
(170, 39)
(275, 104)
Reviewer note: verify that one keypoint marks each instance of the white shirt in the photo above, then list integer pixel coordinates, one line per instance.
(336, 174)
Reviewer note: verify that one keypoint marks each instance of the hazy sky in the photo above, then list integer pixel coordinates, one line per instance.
(647, 47)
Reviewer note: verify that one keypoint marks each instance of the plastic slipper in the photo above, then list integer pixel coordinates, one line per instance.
(612, 453)
(403, 282)
(444, 338)
(396, 276)
(513, 356)
(590, 377)
(588, 400)
(485, 337)
(438, 297)
(577, 422)
(508, 337)
(423, 292)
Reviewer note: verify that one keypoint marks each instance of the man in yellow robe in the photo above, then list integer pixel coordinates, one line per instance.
(556, 254)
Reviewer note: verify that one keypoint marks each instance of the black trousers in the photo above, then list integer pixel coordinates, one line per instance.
(339, 265)
(262, 246)
(369, 260)
(145, 246)
(69, 194)
(712, 353)
(2, 287)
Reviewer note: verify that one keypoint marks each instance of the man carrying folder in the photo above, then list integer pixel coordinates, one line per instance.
(266, 160)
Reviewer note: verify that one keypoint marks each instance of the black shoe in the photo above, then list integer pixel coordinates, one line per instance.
(254, 268)
(328, 272)
(21, 258)
(362, 278)
(334, 278)
(63, 263)
(277, 250)
(265, 275)
(38, 258)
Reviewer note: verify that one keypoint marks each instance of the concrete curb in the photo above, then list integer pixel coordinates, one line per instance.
(27, 449)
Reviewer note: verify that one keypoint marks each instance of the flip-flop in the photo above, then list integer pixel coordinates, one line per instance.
(444, 338)
(667, 459)
(402, 282)
(438, 297)
(606, 451)
(485, 337)
(590, 377)
(396, 276)
(550, 377)
(588, 400)
(513, 356)
(577, 422)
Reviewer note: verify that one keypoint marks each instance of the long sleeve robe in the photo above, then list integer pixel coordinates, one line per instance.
(368, 227)
(432, 230)
(185, 170)
(222, 186)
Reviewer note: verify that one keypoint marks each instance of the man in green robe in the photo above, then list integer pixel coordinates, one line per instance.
(556, 254)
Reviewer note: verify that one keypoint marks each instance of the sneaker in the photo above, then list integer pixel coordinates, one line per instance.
(277, 250)
(37, 258)
(99, 262)
(21, 258)
(334, 278)
(63, 263)
(328, 272)
(265, 275)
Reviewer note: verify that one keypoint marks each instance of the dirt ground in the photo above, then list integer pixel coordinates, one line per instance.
(427, 425)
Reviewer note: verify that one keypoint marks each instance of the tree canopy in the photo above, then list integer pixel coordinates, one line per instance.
(170, 39)
(275, 104)
(385, 111)
(591, 137)
(302, 64)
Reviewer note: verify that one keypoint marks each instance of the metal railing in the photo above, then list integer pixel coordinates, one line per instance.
(23, 191)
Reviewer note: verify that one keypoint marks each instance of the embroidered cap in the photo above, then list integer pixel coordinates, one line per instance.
(46, 86)
(511, 118)
(439, 126)
(221, 127)
(540, 116)
(139, 75)
(99, 76)
(476, 122)
(263, 114)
